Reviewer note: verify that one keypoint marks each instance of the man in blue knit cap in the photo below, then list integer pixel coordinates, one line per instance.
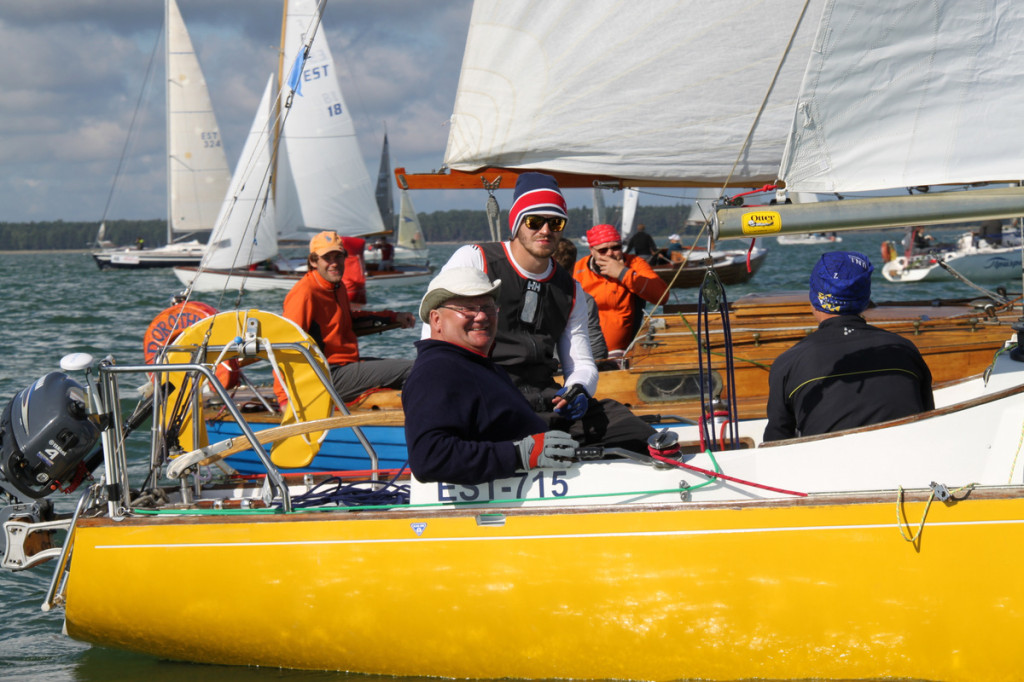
(543, 323)
(847, 373)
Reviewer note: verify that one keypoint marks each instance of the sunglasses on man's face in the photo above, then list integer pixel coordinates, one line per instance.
(606, 249)
(535, 222)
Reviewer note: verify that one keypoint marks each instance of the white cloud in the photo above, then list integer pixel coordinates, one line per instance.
(73, 71)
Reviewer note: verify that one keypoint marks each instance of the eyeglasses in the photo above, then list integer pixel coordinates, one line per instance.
(535, 222)
(334, 256)
(613, 247)
(469, 312)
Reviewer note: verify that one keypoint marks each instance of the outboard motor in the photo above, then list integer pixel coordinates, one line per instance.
(48, 441)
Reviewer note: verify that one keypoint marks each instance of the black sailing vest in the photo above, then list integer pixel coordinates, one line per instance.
(533, 316)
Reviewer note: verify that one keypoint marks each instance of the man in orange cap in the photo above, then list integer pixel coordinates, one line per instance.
(621, 285)
(319, 304)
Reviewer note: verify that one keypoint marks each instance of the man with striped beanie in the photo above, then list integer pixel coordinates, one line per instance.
(542, 323)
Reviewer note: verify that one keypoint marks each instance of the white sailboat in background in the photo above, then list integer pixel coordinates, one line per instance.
(410, 234)
(409, 242)
(385, 187)
(630, 201)
(598, 213)
(197, 168)
(319, 179)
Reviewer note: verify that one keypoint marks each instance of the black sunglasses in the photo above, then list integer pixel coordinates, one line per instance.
(535, 222)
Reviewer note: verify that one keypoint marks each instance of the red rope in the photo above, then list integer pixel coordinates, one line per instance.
(766, 188)
(715, 474)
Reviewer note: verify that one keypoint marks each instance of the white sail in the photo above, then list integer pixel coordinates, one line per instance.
(410, 234)
(246, 232)
(197, 168)
(642, 89)
(902, 94)
(597, 210)
(322, 180)
(630, 199)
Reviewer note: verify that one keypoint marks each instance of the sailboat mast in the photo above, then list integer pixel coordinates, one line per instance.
(167, 110)
(277, 101)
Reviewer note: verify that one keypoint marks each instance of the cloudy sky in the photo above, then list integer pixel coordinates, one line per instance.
(74, 70)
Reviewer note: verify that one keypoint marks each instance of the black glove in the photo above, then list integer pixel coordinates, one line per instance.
(577, 402)
(546, 449)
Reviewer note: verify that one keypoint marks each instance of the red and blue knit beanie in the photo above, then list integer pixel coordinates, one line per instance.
(536, 194)
(841, 282)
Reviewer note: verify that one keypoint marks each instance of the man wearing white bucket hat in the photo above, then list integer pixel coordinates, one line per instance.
(542, 327)
(465, 421)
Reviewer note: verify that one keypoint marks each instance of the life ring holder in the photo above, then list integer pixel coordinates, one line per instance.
(309, 398)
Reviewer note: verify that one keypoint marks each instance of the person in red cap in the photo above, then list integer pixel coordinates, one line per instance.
(621, 285)
(543, 321)
(355, 269)
(319, 304)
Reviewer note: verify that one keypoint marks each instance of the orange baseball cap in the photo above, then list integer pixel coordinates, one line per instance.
(325, 242)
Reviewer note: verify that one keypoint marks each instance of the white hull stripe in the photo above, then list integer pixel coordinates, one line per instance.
(573, 536)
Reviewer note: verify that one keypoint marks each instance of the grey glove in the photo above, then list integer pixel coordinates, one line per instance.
(550, 449)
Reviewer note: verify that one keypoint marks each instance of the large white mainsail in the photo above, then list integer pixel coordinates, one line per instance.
(322, 181)
(903, 94)
(637, 89)
(246, 231)
(197, 168)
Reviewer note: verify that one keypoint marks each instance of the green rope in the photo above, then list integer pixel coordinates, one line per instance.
(720, 354)
(384, 507)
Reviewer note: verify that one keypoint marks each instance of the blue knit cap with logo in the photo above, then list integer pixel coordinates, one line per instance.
(841, 282)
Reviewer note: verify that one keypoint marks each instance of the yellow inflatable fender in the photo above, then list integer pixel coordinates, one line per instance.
(309, 397)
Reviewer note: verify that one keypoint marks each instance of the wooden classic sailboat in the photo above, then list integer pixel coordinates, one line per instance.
(826, 557)
(197, 168)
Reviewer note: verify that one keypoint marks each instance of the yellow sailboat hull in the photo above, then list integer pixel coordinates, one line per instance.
(827, 587)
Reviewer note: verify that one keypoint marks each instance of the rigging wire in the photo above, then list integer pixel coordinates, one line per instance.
(131, 127)
(764, 102)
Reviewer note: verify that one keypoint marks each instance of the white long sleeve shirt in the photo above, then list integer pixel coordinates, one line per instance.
(574, 345)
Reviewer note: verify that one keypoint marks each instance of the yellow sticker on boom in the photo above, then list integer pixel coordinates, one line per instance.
(761, 222)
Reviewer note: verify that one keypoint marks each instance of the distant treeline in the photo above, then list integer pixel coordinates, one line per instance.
(439, 226)
(76, 235)
(471, 226)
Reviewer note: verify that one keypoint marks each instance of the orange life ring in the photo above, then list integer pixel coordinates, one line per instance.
(169, 323)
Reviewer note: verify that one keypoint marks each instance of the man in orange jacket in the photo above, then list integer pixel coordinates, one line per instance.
(620, 284)
(319, 304)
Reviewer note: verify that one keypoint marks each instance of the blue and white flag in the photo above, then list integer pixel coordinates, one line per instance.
(294, 81)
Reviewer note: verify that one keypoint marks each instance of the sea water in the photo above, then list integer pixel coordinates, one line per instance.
(59, 303)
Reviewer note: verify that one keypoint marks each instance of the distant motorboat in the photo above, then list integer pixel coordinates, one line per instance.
(809, 238)
(973, 257)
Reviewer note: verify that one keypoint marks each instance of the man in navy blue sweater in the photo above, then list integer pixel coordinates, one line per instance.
(465, 421)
